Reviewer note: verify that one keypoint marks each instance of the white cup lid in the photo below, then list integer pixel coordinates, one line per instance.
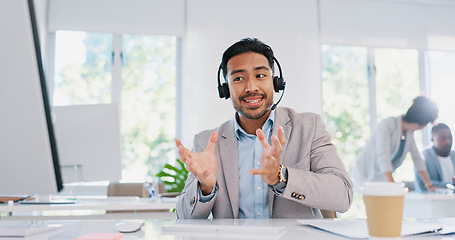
(383, 189)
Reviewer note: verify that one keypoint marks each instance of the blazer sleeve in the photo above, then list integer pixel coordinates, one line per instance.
(384, 133)
(431, 162)
(188, 204)
(326, 185)
(419, 164)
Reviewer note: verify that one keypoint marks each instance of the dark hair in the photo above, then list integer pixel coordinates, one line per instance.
(247, 45)
(422, 111)
(437, 128)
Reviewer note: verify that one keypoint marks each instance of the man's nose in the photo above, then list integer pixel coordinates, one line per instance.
(251, 85)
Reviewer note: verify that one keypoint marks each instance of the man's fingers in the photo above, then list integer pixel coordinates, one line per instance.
(261, 137)
(259, 171)
(179, 145)
(276, 147)
(212, 142)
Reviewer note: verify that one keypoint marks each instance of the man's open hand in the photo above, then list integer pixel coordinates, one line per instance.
(202, 165)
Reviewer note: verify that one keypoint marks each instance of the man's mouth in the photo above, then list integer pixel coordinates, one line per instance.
(252, 101)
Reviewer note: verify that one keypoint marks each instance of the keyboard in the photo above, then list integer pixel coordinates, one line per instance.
(23, 229)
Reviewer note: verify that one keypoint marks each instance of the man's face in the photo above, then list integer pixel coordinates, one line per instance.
(250, 84)
(443, 142)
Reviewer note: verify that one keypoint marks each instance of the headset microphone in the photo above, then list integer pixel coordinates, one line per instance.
(279, 100)
(278, 84)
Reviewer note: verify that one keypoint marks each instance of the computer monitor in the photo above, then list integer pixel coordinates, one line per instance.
(89, 143)
(28, 153)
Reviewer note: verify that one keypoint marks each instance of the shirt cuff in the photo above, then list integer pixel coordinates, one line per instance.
(209, 197)
(278, 189)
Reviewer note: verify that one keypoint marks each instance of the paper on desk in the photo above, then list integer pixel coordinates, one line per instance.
(358, 228)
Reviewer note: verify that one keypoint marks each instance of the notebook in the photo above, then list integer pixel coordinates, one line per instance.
(357, 229)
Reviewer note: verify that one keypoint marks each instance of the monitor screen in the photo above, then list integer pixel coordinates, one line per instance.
(89, 143)
(28, 153)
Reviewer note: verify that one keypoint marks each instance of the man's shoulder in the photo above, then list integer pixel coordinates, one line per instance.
(429, 153)
(284, 114)
(294, 114)
(427, 150)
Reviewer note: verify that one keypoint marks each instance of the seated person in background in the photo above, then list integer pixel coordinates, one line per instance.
(390, 142)
(264, 162)
(439, 159)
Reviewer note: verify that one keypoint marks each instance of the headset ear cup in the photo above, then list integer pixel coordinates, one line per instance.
(223, 91)
(278, 83)
(226, 91)
(220, 91)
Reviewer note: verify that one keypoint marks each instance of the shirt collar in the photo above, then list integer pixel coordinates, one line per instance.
(239, 132)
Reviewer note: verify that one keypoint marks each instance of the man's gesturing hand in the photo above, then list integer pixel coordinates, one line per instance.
(270, 159)
(202, 165)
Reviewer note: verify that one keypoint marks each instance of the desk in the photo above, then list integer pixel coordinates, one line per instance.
(95, 208)
(430, 205)
(152, 230)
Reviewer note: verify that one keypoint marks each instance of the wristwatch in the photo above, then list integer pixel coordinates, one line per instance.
(278, 188)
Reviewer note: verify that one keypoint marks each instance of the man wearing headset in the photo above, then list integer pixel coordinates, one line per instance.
(266, 162)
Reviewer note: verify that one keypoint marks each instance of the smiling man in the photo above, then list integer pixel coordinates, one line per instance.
(266, 162)
(439, 159)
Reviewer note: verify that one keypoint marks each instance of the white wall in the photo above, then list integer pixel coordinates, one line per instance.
(421, 24)
(118, 16)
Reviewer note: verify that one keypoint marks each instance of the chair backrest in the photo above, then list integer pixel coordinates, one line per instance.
(328, 214)
(127, 189)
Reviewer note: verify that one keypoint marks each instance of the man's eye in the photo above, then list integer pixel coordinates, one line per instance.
(237, 79)
(260, 75)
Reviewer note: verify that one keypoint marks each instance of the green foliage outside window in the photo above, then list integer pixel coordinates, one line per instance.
(345, 99)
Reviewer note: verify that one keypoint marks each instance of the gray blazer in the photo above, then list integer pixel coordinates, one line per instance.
(434, 170)
(315, 172)
(375, 158)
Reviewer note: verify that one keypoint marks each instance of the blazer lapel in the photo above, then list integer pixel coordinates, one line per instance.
(281, 120)
(230, 164)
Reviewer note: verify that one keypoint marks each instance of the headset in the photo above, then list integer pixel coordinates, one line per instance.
(278, 84)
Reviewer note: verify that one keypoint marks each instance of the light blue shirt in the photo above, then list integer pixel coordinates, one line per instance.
(253, 192)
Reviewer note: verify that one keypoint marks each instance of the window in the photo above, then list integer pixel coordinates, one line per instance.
(82, 68)
(136, 71)
(345, 95)
(148, 104)
(362, 86)
(442, 77)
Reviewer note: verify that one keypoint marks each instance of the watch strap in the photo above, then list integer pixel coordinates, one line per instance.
(278, 188)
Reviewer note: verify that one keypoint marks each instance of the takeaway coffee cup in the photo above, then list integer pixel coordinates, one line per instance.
(384, 205)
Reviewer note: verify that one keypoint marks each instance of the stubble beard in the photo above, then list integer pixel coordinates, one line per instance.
(443, 152)
(242, 110)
